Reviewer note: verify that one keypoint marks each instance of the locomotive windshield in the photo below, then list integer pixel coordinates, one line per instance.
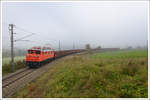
(30, 51)
(34, 51)
(38, 52)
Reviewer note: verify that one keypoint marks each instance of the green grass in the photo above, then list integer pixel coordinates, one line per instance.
(19, 62)
(122, 54)
(7, 60)
(94, 76)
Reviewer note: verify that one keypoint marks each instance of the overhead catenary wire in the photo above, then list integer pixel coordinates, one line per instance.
(33, 33)
(36, 34)
(20, 39)
(22, 29)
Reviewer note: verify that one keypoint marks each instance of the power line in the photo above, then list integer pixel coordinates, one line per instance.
(24, 37)
(22, 29)
(25, 30)
(32, 32)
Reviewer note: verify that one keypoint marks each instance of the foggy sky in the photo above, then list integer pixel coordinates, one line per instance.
(108, 24)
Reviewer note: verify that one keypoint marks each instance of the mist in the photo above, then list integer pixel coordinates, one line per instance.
(116, 24)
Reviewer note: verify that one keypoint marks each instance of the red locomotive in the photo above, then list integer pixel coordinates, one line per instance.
(38, 56)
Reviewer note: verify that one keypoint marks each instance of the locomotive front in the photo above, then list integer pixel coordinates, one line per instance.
(38, 56)
(33, 57)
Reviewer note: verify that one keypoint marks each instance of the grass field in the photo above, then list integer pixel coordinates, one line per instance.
(6, 66)
(122, 74)
(7, 60)
(122, 54)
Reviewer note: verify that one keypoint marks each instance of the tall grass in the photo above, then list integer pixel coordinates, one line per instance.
(93, 76)
(19, 62)
(6, 60)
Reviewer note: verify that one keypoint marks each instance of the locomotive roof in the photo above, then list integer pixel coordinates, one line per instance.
(42, 48)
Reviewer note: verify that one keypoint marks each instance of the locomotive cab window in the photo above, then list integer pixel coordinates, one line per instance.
(30, 51)
(38, 52)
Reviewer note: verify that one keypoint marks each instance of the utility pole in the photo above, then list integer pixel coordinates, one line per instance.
(12, 46)
(73, 46)
(11, 29)
(59, 45)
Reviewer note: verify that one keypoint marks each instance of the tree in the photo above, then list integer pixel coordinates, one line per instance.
(87, 46)
(99, 47)
(129, 47)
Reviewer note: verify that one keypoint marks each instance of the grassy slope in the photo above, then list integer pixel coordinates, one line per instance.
(115, 74)
(6, 66)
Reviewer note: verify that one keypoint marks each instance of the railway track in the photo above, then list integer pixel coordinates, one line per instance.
(15, 81)
(16, 76)
(12, 74)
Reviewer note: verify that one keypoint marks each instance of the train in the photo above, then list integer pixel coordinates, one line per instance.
(38, 56)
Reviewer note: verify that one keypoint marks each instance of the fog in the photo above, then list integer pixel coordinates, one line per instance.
(104, 23)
